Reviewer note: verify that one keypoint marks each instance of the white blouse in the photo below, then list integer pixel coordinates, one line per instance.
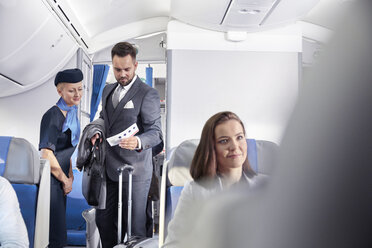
(190, 204)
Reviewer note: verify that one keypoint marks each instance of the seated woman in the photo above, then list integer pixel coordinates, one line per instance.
(220, 162)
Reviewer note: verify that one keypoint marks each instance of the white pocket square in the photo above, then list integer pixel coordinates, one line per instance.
(129, 105)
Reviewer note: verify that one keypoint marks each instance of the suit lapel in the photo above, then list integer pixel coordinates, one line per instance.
(128, 96)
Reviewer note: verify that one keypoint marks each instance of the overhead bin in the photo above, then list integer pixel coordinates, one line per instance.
(33, 46)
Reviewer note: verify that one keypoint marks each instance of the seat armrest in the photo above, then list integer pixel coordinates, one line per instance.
(163, 188)
(43, 203)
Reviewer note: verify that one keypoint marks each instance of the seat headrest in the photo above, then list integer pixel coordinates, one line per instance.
(261, 155)
(179, 163)
(267, 153)
(21, 162)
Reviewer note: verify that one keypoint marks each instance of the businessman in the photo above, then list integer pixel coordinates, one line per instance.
(124, 103)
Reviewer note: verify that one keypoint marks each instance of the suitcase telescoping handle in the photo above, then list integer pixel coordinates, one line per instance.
(130, 169)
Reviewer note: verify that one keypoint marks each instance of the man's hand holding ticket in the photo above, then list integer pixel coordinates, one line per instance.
(127, 133)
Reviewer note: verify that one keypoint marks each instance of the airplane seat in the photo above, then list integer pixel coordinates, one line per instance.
(75, 206)
(30, 177)
(261, 155)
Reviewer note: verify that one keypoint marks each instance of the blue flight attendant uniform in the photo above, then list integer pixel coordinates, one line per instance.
(52, 137)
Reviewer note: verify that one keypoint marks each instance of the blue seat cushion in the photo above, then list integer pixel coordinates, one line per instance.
(76, 237)
(75, 206)
(173, 194)
(75, 222)
(4, 148)
(252, 154)
(74, 209)
(27, 197)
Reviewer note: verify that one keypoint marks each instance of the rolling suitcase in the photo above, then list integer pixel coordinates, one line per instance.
(92, 234)
(132, 241)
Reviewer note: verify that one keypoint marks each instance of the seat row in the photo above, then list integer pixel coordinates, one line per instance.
(30, 177)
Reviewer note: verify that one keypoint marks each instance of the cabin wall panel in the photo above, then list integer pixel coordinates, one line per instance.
(258, 78)
(261, 87)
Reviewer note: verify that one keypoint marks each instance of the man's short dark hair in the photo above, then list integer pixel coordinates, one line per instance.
(122, 49)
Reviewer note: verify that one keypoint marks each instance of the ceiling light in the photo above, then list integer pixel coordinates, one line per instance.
(236, 35)
(249, 11)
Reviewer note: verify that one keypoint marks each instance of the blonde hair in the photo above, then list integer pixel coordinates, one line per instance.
(60, 86)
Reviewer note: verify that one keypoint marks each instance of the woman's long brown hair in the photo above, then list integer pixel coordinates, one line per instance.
(204, 163)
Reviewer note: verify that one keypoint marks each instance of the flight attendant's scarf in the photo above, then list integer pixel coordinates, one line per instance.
(71, 121)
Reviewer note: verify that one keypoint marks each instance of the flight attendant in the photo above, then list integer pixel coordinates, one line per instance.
(59, 135)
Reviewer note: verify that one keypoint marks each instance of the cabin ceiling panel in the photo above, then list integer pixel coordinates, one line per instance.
(150, 50)
(99, 16)
(289, 11)
(8, 87)
(200, 13)
(247, 13)
(32, 60)
(242, 15)
(40, 55)
(102, 23)
(327, 13)
(129, 31)
(18, 23)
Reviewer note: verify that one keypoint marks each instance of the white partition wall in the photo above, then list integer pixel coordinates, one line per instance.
(257, 78)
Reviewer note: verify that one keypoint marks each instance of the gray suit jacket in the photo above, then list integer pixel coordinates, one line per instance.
(146, 113)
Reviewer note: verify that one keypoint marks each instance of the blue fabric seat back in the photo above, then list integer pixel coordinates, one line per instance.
(4, 148)
(27, 198)
(172, 196)
(75, 205)
(20, 161)
(20, 164)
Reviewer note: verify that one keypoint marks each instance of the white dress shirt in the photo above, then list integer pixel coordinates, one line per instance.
(126, 88)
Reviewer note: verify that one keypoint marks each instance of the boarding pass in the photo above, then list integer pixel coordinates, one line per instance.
(130, 131)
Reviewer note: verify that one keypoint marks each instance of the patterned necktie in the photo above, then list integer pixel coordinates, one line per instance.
(116, 95)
